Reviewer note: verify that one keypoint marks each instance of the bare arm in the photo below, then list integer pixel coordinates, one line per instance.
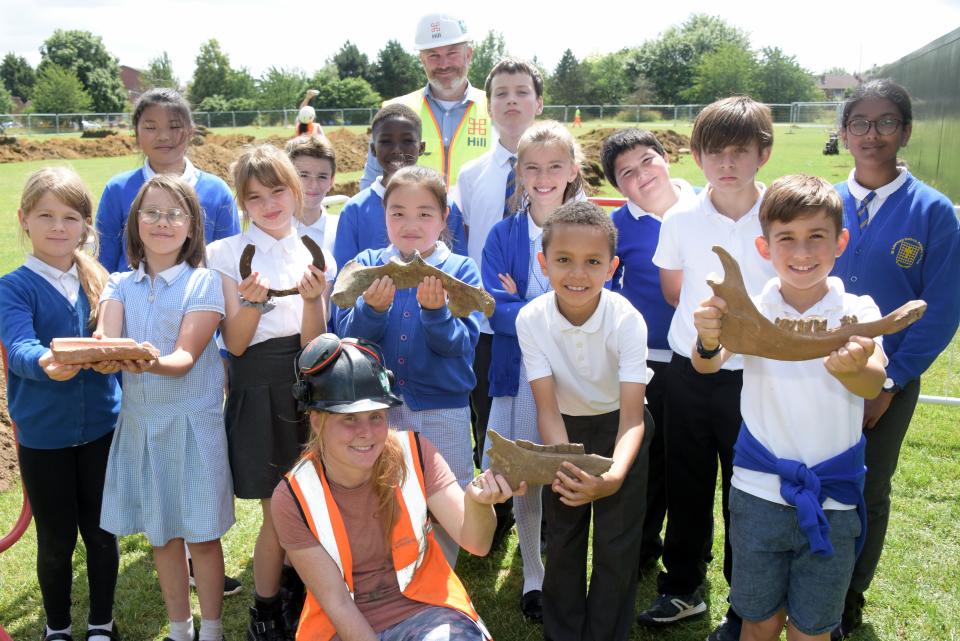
(467, 515)
(322, 577)
(859, 366)
(708, 319)
(313, 288)
(196, 332)
(240, 322)
(670, 282)
(549, 421)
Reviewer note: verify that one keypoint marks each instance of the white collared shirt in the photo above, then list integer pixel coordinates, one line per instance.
(323, 231)
(588, 362)
(797, 409)
(67, 283)
(283, 262)
(687, 199)
(190, 173)
(378, 187)
(686, 241)
(859, 192)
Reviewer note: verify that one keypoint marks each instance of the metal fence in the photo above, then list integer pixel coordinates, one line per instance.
(818, 114)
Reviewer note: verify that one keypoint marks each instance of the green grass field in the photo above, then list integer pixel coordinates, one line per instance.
(914, 596)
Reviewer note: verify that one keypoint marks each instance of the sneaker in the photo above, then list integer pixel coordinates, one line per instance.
(531, 606)
(669, 608)
(231, 586)
(728, 630)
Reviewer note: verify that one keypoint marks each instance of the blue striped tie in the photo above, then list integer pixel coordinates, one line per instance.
(511, 187)
(863, 216)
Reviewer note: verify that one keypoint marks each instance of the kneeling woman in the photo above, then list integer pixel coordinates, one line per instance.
(354, 514)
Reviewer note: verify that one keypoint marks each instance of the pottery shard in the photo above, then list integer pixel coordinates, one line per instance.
(745, 330)
(72, 351)
(522, 460)
(462, 299)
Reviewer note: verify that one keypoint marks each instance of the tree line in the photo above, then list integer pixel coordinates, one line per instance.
(697, 61)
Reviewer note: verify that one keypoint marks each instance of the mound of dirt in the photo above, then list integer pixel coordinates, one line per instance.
(592, 142)
(23, 149)
(8, 450)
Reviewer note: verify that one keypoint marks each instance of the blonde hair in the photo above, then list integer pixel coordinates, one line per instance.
(192, 250)
(68, 188)
(545, 133)
(271, 167)
(389, 471)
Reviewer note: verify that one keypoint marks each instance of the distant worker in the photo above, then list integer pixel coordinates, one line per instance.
(456, 125)
(576, 118)
(307, 116)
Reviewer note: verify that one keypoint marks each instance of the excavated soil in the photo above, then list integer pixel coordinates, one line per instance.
(592, 142)
(209, 151)
(8, 451)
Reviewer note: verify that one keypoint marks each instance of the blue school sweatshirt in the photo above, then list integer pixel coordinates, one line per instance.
(637, 278)
(910, 250)
(50, 414)
(507, 251)
(220, 219)
(362, 226)
(430, 351)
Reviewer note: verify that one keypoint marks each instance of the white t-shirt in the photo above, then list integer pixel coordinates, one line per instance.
(283, 262)
(797, 409)
(323, 231)
(588, 362)
(686, 241)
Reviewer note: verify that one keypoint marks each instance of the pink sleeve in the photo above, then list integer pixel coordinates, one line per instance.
(292, 530)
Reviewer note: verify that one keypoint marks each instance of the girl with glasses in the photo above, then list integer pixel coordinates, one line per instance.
(168, 475)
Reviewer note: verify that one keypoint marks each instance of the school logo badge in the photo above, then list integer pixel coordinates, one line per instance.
(907, 252)
(477, 127)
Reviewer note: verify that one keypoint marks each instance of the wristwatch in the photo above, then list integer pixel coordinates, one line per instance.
(264, 308)
(890, 386)
(707, 353)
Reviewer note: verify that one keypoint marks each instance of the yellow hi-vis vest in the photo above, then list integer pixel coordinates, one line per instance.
(473, 137)
(422, 571)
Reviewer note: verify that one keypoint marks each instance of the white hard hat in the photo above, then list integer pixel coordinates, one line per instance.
(307, 114)
(440, 30)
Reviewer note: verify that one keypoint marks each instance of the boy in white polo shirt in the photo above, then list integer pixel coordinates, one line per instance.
(731, 140)
(796, 506)
(585, 351)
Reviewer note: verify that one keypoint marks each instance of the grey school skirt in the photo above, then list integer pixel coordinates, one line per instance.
(265, 434)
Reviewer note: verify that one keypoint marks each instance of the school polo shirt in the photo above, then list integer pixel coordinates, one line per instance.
(323, 231)
(283, 262)
(686, 241)
(588, 362)
(67, 283)
(797, 409)
(859, 192)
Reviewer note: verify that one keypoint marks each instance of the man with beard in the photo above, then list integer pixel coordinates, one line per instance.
(456, 125)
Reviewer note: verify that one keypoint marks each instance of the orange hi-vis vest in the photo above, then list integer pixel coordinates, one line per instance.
(422, 571)
(473, 137)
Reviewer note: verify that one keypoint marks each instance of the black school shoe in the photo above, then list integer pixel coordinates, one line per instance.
(56, 636)
(531, 606)
(267, 624)
(113, 635)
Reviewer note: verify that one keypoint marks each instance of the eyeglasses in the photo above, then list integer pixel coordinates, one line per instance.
(884, 126)
(174, 216)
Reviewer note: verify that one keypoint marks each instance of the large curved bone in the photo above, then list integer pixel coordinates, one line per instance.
(746, 331)
(354, 279)
(246, 263)
(522, 460)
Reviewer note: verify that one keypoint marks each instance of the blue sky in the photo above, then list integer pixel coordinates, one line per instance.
(257, 34)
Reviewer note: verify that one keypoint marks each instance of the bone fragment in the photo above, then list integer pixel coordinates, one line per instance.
(72, 351)
(522, 460)
(746, 331)
(462, 299)
(246, 264)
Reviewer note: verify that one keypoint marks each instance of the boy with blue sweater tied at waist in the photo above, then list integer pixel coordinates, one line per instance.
(797, 513)
(904, 245)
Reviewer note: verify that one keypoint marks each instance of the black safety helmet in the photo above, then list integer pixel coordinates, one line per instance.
(343, 376)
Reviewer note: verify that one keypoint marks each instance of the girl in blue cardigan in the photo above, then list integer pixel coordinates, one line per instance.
(163, 125)
(65, 414)
(904, 245)
(429, 349)
(548, 175)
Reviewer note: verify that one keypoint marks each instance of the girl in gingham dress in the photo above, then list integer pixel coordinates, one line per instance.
(168, 475)
(429, 349)
(548, 174)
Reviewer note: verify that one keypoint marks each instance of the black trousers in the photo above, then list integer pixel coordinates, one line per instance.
(606, 613)
(883, 452)
(701, 424)
(480, 400)
(65, 488)
(651, 545)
